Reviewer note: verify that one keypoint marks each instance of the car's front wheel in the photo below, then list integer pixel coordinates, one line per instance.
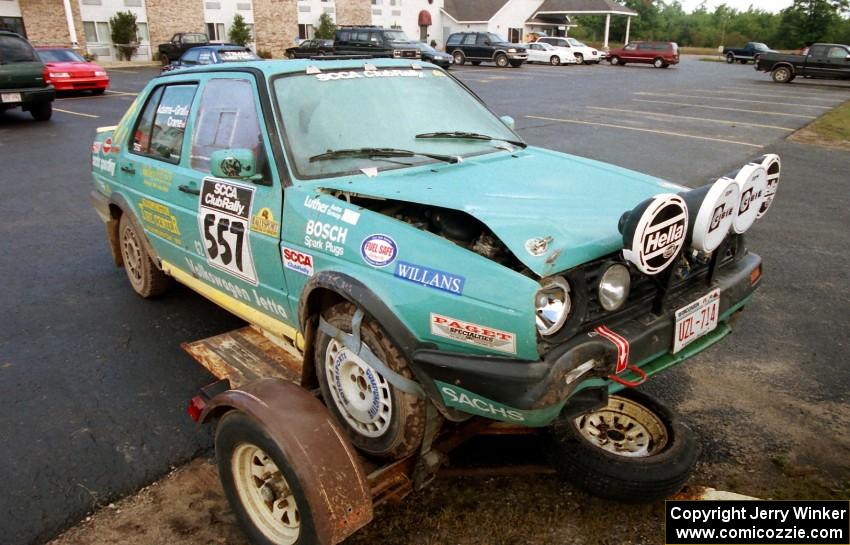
(460, 58)
(730, 58)
(615, 60)
(42, 111)
(555, 60)
(290, 55)
(502, 60)
(579, 58)
(633, 450)
(379, 418)
(144, 276)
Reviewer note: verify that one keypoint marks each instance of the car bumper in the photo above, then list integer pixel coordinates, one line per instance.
(538, 391)
(80, 84)
(29, 95)
(518, 56)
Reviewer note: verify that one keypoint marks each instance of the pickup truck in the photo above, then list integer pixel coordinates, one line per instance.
(827, 61)
(179, 44)
(750, 52)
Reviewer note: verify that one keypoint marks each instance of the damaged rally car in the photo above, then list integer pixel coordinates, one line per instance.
(416, 260)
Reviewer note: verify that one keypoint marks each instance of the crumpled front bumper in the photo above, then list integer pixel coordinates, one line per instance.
(534, 393)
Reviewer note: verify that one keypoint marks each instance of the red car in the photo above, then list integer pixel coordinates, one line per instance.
(658, 54)
(68, 71)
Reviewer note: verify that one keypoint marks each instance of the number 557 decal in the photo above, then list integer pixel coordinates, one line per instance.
(224, 213)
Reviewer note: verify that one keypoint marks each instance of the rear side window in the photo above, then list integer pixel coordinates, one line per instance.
(162, 124)
(343, 35)
(469, 39)
(227, 119)
(818, 51)
(454, 39)
(14, 49)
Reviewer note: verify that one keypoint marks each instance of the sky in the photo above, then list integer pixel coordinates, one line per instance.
(769, 5)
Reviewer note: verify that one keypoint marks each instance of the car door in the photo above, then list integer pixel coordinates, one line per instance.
(535, 52)
(306, 49)
(482, 48)
(235, 216)
(629, 52)
(838, 62)
(817, 62)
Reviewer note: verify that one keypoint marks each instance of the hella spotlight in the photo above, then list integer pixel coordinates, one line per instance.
(712, 210)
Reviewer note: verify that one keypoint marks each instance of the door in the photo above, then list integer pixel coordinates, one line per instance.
(536, 53)
(629, 52)
(817, 62)
(236, 219)
(838, 62)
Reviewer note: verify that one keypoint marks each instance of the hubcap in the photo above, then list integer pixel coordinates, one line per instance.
(132, 253)
(265, 494)
(624, 428)
(360, 393)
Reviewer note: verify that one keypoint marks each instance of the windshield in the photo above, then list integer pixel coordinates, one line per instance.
(194, 38)
(236, 55)
(392, 107)
(59, 55)
(760, 46)
(425, 47)
(396, 36)
(14, 49)
(494, 38)
(575, 43)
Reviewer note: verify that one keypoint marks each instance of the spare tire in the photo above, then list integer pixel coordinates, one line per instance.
(633, 450)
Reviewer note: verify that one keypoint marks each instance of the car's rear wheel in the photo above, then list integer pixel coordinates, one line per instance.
(782, 74)
(579, 58)
(42, 111)
(460, 58)
(634, 449)
(554, 60)
(615, 60)
(730, 58)
(290, 55)
(658, 62)
(502, 60)
(379, 418)
(145, 278)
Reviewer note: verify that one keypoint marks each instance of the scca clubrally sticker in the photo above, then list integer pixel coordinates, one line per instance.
(224, 214)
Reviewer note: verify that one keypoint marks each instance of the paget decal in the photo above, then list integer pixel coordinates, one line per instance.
(297, 261)
(474, 334)
(378, 250)
(264, 222)
(432, 278)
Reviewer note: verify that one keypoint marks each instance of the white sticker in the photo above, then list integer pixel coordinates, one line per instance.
(223, 219)
(298, 261)
(474, 334)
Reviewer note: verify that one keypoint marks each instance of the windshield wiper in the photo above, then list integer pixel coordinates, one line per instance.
(380, 152)
(470, 136)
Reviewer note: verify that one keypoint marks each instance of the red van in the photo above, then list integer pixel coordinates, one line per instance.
(658, 54)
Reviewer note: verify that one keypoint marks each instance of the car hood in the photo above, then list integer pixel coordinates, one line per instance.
(507, 44)
(73, 66)
(532, 194)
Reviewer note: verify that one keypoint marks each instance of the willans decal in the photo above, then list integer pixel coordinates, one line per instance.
(432, 278)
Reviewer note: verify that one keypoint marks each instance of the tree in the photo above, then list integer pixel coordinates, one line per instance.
(326, 28)
(810, 21)
(240, 32)
(125, 34)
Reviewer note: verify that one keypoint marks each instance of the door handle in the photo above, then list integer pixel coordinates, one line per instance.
(128, 169)
(188, 189)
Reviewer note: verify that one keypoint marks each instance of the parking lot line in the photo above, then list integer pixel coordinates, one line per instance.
(654, 131)
(725, 108)
(771, 94)
(107, 93)
(75, 113)
(814, 87)
(674, 116)
(734, 100)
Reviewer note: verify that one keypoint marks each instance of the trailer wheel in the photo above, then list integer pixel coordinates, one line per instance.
(633, 450)
(380, 419)
(260, 484)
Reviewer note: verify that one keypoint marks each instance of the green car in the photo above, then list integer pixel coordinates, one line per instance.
(22, 83)
(419, 257)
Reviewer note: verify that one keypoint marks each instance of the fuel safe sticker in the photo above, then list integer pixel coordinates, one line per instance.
(224, 221)
(474, 334)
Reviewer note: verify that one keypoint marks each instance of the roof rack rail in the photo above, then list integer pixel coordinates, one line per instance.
(359, 26)
(340, 57)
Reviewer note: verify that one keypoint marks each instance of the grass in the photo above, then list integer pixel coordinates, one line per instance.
(712, 59)
(832, 129)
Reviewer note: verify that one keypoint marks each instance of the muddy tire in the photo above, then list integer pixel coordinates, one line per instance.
(260, 484)
(380, 419)
(635, 450)
(144, 276)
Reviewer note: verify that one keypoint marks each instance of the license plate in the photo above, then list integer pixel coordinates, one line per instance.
(10, 97)
(696, 319)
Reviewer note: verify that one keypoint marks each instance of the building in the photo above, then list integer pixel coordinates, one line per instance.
(278, 24)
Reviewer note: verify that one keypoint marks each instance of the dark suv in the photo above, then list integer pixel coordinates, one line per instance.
(478, 47)
(375, 42)
(22, 82)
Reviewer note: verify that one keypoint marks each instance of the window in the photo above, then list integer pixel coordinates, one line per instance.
(515, 35)
(344, 35)
(454, 39)
(191, 56)
(159, 131)
(469, 39)
(215, 31)
(227, 119)
(837, 53)
(14, 49)
(103, 33)
(304, 31)
(818, 51)
(630, 47)
(142, 34)
(59, 55)
(15, 24)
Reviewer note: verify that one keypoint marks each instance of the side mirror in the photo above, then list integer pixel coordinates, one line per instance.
(233, 163)
(508, 121)
(487, 42)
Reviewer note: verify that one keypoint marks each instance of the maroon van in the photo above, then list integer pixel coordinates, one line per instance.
(658, 54)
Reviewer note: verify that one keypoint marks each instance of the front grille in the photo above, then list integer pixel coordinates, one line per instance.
(406, 53)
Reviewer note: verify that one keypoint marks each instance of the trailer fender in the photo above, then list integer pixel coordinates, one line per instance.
(320, 454)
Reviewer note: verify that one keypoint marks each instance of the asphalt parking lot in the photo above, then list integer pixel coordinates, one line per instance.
(93, 383)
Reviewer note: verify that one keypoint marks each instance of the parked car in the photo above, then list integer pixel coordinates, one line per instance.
(583, 53)
(658, 54)
(212, 54)
(478, 47)
(443, 60)
(824, 61)
(550, 54)
(22, 78)
(311, 48)
(375, 42)
(436, 268)
(750, 52)
(67, 70)
(179, 44)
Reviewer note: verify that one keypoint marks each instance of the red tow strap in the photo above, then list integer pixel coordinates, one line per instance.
(622, 345)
